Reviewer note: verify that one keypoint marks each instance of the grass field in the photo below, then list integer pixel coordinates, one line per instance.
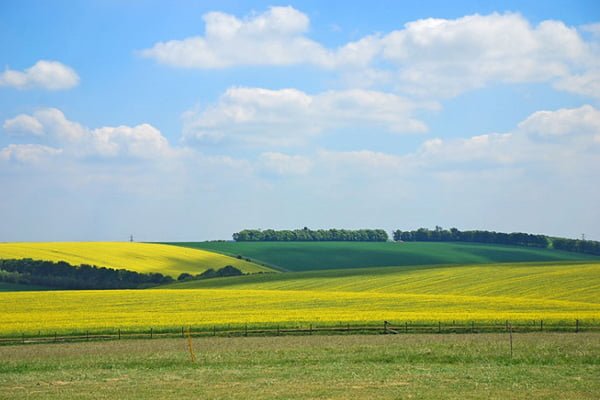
(467, 293)
(544, 366)
(303, 256)
(140, 257)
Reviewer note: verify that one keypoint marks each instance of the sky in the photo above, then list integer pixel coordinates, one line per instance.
(191, 120)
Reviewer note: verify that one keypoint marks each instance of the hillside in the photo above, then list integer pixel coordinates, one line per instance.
(463, 293)
(306, 256)
(139, 257)
(578, 282)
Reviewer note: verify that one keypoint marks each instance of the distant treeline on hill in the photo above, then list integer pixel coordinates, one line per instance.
(515, 238)
(63, 275)
(308, 235)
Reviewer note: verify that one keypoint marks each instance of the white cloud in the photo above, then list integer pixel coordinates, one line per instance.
(28, 153)
(447, 57)
(50, 126)
(259, 116)
(284, 164)
(427, 57)
(50, 75)
(275, 37)
(23, 124)
(584, 120)
(587, 83)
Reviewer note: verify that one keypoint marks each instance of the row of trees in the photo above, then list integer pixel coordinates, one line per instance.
(454, 235)
(228, 270)
(581, 246)
(516, 238)
(309, 235)
(63, 275)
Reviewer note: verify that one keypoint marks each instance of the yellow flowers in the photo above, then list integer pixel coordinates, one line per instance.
(140, 257)
(68, 311)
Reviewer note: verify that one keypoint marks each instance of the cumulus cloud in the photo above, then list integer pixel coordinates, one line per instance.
(557, 140)
(50, 75)
(584, 120)
(28, 153)
(275, 37)
(450, 56)
(426, 57)
(51, 126)
(287, 117)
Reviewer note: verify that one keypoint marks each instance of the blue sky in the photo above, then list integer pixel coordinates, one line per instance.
(191, 120)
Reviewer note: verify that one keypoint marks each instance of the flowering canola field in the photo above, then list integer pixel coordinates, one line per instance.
(139, 257)
(470, 293)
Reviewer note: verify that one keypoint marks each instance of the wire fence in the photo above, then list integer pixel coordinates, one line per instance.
(385, 328)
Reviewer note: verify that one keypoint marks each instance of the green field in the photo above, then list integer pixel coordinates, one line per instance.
(544, 366)
(304, 256)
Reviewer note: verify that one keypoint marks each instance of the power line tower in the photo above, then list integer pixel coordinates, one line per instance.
(583, 237)
(131, 238)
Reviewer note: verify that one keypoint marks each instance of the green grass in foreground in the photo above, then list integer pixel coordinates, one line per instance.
(545, 366)
(304, 256)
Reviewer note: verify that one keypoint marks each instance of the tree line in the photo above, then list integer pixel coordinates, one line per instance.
(63, 275)
(228, 270)
(309, 235)
(516, 238)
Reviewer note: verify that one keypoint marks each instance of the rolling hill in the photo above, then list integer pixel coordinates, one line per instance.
(306, 256)
(577, 282)
(480, 293)
(139, 257)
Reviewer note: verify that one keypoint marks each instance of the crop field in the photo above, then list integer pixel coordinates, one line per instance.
(544, 366)
(139, 257)
(304, 256)
(467, 293)
(576, 282)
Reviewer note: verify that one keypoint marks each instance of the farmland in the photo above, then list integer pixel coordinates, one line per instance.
(545, 365)
(139, 257)
(305, 256)
(467, 293)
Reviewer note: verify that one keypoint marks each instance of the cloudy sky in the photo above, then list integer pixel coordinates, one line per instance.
(190, 120)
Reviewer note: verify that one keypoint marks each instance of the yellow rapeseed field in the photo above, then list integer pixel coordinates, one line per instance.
(470, 293)
(140, 257)
(560, 281)
(68, 311)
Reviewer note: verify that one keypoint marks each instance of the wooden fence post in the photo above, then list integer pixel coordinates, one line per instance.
(119, 333)
(510, 337)
(385, 324)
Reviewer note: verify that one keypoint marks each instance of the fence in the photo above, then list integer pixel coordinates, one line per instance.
(245, 331)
